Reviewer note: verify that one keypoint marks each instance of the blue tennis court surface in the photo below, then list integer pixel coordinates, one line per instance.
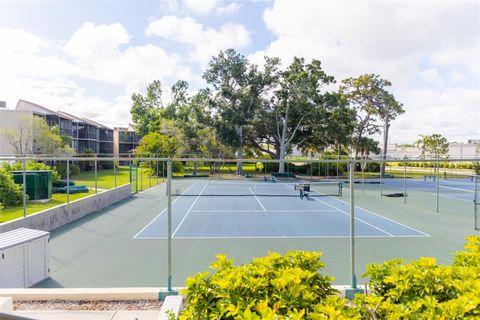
(210, 210)
(458, 189)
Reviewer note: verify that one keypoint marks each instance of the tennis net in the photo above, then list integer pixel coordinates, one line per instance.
(248, 189)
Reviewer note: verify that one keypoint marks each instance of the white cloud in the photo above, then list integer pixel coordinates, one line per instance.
(208, 6)
(452, 112)
(431, 75)
(94, 44)
(57, 76)
(203, 41)
(200, 7)
(229, 9)
(427, 44)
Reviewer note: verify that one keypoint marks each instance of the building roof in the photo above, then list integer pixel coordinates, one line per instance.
(37, 107)
(94, 123)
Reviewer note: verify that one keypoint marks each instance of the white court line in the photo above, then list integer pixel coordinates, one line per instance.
(261, 205)
(269, 210)
(153, 220)
(348, 214)
(185, 216)
(281, 237)
(380, 216)
(460, 189)
(356, 218)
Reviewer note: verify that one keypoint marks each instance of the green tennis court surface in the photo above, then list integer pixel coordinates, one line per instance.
(107, 249)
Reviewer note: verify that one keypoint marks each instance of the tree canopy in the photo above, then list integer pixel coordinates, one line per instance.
(266, 111)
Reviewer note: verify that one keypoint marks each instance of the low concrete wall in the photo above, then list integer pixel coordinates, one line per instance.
(58, 216)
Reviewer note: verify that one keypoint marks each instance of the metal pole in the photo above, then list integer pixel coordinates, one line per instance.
(363, 176)
(405, 182)
(381, 180)
(437, 186)
(68, 181)
(169, 212)
(136, 177)
(352, 227)
(96, 176)
(114, 174)
(475, 201)
(156, 169)
(24, 191)
(141, 177)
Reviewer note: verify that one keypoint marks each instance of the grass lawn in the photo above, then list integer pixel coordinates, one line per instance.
(11, 213)
(105, 178)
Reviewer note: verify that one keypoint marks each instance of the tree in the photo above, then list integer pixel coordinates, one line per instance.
(237, 86)
(435, 145)
(296, 102)
(146, 109)
(333, 125)
(156, 143)
(33, 135)
(369, 95)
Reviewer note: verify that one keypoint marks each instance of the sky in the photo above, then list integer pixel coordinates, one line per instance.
(88, 57)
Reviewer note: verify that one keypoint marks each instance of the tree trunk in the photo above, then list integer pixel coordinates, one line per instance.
(239, 153)
(194, 168)
(283, 146)
(385, 145)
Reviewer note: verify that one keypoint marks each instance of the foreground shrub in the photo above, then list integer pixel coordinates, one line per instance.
(10, 193)
(280, 287)
(423, 289)
(31, 165)
(272, 287)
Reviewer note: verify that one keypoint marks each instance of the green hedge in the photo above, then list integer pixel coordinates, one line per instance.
(10, 192)
(292, 287)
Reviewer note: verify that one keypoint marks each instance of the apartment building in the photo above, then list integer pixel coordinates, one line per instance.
(87, 135)
(125, 140)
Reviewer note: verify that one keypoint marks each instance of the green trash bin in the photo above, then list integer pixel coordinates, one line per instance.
(39, 183)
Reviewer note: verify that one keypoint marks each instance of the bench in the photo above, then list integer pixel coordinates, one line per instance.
(270, 178)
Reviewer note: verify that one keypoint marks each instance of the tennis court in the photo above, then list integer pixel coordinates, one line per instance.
(257, 209)
(457, 189)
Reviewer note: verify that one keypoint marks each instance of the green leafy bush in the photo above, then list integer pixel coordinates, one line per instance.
(10, 193)
(62, 170)
(280, 287)
(31, 165)
(423, 289)
(271, 287)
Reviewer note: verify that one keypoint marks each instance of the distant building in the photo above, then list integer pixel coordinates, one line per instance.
(125, 141)
(455, 150)
(87, 135)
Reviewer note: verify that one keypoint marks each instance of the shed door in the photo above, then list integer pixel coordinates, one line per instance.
(13, 267)
(37, 266)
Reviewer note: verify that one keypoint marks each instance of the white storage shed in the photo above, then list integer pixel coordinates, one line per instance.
(24, 257)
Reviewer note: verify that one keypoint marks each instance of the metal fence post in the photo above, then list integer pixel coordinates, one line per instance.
(437, 185)
(141, 176)
(96, 175)
(24, 190)
(68, 181)
(405, 182)
(114, 173)
(169, 212)
(475, 202)
(381, 180)
(352, 226)
(156, 167)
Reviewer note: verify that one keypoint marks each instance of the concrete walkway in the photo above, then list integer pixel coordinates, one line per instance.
(89, 315)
